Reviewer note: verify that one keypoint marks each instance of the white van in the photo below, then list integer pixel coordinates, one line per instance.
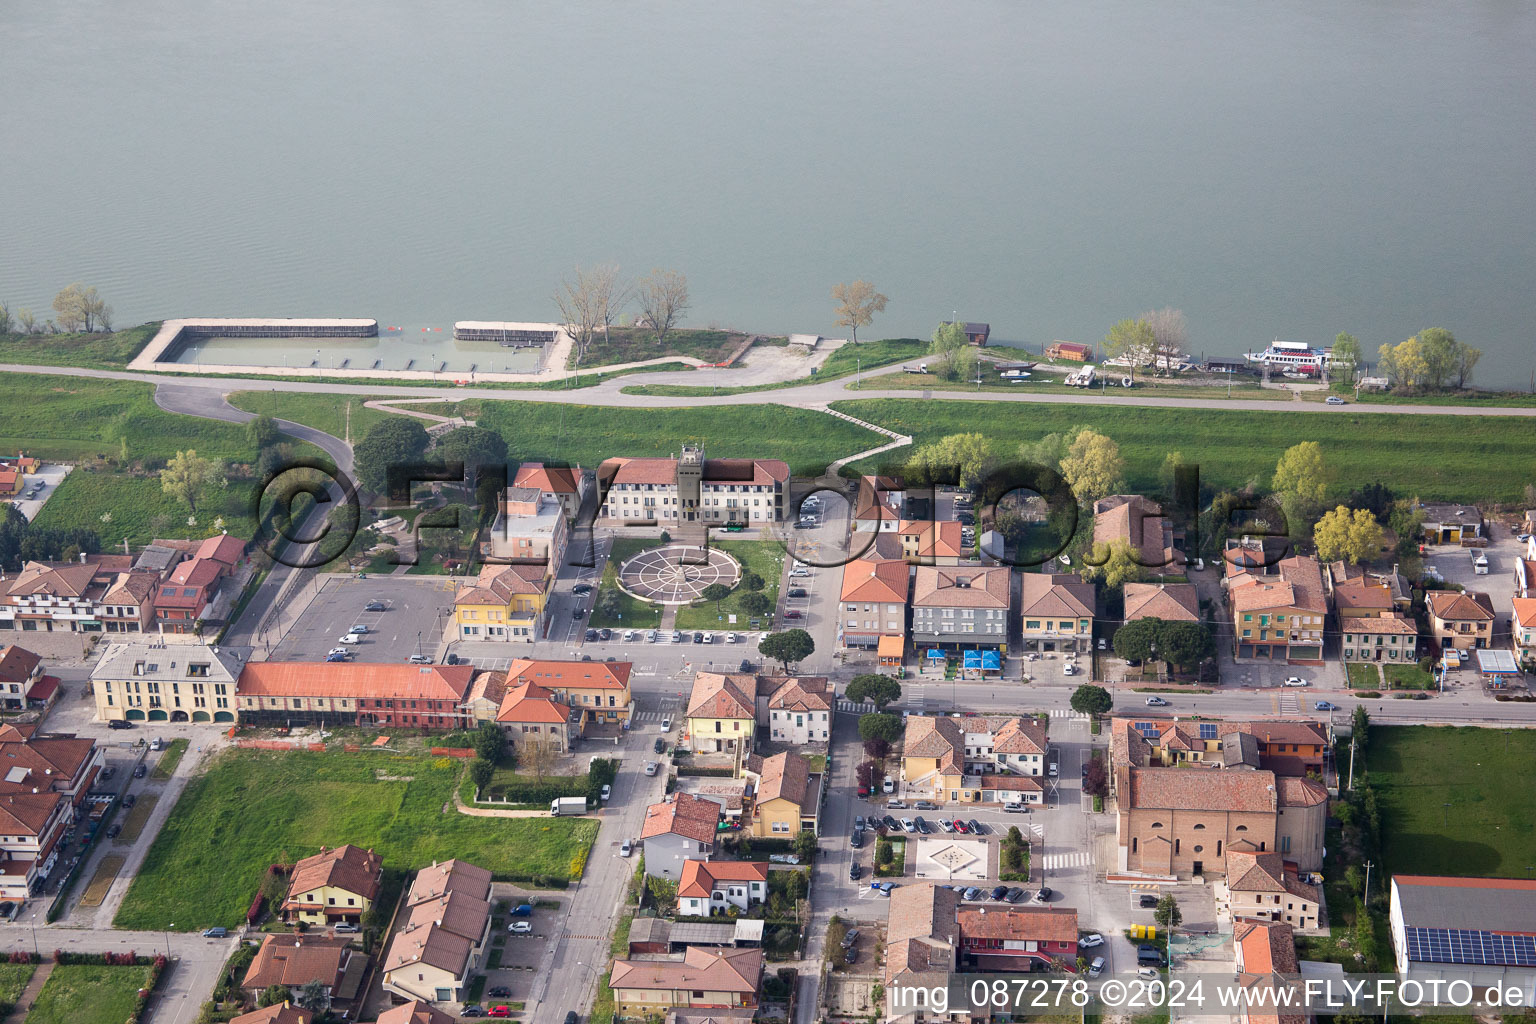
(1479, 563)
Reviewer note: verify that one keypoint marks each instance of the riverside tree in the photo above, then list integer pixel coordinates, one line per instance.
(1092, 466)
(663, 298)
(857, 304)
(589, 300)
(1350, 534)
(185, 476)
(81, 309)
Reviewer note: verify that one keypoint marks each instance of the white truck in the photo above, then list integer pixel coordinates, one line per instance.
(563, 805)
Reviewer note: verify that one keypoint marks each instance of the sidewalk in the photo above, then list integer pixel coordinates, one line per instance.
(29, 994)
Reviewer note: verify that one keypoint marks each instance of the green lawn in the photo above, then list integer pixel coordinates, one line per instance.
(169, 759)
(138, 509)
(634, 613)
(588, 434)
(764, 557)
(253, 808)
(1408, 677)
(13, 982)
(1460, 458)
(101, 351)
(629, 345)
(843, 361)
(1362, 676)
(323, 412)
(1489, 827)
(1053, 385)
(89, 994)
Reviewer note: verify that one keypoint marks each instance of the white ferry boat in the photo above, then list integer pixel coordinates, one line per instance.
(1291, 355)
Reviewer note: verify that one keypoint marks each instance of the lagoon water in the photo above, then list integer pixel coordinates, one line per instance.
(1286, 170)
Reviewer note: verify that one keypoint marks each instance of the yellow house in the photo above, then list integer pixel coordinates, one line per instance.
(977, 759)
(334, 886)
(722, 712)
(598, 689)
(785, 797)
(506, 602)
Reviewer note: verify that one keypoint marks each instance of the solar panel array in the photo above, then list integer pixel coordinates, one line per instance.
(1463, 946)
(1208, 731)
(1148, 729)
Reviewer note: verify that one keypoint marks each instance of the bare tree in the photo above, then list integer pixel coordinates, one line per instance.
(857, 305)
(6, 320)
(26, 321)
(537, 755)
(1169, 335)
(663, 298)
(612, 295)
(581, 309)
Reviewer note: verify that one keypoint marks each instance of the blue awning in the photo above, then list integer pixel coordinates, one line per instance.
(990, 659)
(935, 654)
(972, 659)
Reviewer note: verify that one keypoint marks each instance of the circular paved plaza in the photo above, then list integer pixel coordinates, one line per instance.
(677, 573)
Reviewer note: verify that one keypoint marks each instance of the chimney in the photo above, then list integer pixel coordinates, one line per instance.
(82, 558)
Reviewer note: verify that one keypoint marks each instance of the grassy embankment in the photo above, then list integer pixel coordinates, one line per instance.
(250, 809)
(1452, 458)
(631, 345)
(93, 351)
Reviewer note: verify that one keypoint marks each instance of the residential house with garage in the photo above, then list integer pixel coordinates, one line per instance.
(974, 759)
(354, 693)
(1473, 930)
(291, 961)
(335, 886)
(445, 932)
(1460, 619)
(679, 829)
(710, 886)
(414, 1012)
(961, 608)
(1171, 602)
(532, 716)
(1057, 611)
(20, 672)
(922, 951)
(146, 682)
(1279, 617)
(567, 485)
(873, 601)
(1017, 939)
(505, 602)
(722, 713)
(98, 594)
(725, 979)
(692, 488)
(1447, 522)
(531, 527)
(795, 709)
(1259, 887)
(1138, 523)
(785, 795)
(926, 542)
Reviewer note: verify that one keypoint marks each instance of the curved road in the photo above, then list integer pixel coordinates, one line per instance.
(203, 396)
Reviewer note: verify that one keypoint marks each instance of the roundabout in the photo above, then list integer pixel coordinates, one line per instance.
(677, 573)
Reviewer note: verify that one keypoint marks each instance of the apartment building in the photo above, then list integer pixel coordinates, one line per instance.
(691, 488)
(873, 600)
(1138, 522)
(506, 602)
(445, 932)
(1057, 611)
(974, 758)
(99, 594)
(46, 780)
(1279, 617)
(964, 607)
(532, 526)
(356, 693)
(144, 682)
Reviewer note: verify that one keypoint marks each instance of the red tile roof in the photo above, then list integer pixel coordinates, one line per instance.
(884, 582)
(1171, 602)
(359, 680)
(939, 539)
(346, 867)
(17, 664)
(222, 548)
(277, 1013)
(1456, 606)
(1023, 924)
(784, 776)
(530, 702)
(570, 675)
(737, 971)
(960, 587)
(796, 693)
(1184, 789)
(717, 695)
(685, 815)
(293, 960)
(498, 584)
(1056, 595)
(700, 877)
(551, 479)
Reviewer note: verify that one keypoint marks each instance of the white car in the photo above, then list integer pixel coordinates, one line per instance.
(1156, 702)
(908, 825)
(1090, 941)
(521, 927)
(350, 638)
(730, 638)
(629, 636)
(650, 636)
(666, 724)
(677, 637)
(709, 638)
(1053, 770)
(627, 849)
(1295, 681)
(650, 767)
(1334, 400)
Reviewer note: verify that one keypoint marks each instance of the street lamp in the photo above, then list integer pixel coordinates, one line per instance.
(168, 938)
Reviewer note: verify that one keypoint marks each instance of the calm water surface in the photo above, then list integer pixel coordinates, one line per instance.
(1290, 169)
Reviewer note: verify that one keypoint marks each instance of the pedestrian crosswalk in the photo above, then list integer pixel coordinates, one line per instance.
(650, 716)
(857, 709)
(1067, 713)
(1056, 861)
(1289, 704)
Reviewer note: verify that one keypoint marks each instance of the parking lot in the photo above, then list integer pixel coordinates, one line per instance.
(417, 608)
(510, 968)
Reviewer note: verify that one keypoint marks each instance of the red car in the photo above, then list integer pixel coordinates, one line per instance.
(961, 827)
(863, 791)
(791, 614)
(499, 1011)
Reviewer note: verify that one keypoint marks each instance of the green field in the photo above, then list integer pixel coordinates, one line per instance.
(89, 994)
(764, 557)
(630, 345)
(1453, 458)
(1408, 677)
(1053, 385)
(845, 360)
(101, 351)
(634, 613)
(139, 510)
(1489, 827)
(254, 808)
(13, 982)
(587, 434)
(323, 412)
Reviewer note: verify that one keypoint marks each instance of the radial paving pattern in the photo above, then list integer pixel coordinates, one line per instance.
(677, 573)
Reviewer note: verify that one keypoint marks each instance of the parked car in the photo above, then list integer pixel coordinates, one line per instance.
(472, 1010)
(215, 933)
(797, 592)
(731, 638)
(698, 638)
(338, 656)
(499, 992)
(792, 614)
(1103, 644)
(998, 892)
(607, 792)
(660, 746)
(522, 910)
(856, 840)
(1324, 705)
(582, 589)
(666, 724)
(113, 829)
(1015, 894)
(627, 848)
(923, 826)
(1090, 941)
(1016, 807)
(1096, 968)
(578, 612)
(1149, 956)
(520, 927)
(350, 638)
(107, 773)
(359, 630)
(420, 659)
(651, 767)
(1156, 702)
(677, 637)
(890, 824)
(129, 801)
(1043, 895)
(858, 823)
(605, 634)
(1148, 901)
(850, 955)
(925, 805)
(970, 893)
(346, 929)
(863, 790)
(908, 825)
(499, 1011)
(589, 635)
(570, 1017)
(855, 872)
(1334, 400)
(977, 828)
(960, 826)
(947, 826)
(118, 723)
(898, 805)
(1053, 770)
(1294, 681)
(139, 771)
(850, 938)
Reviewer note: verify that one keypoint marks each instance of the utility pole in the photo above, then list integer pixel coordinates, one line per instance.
(1351, 783)
(1367, 898)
